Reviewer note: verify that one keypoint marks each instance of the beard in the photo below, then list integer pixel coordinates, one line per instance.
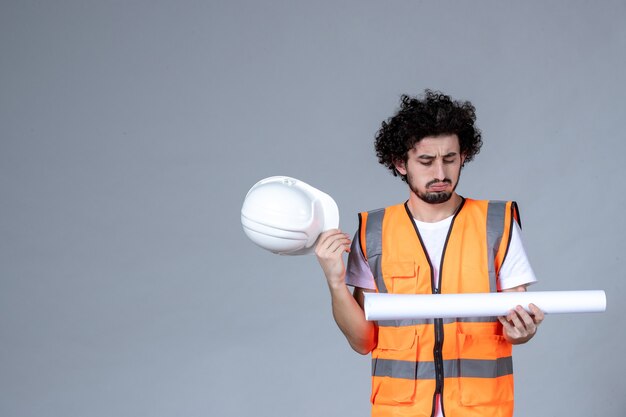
(434, 198)
(437, 197)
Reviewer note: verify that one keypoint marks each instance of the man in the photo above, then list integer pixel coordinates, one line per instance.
(436, 242)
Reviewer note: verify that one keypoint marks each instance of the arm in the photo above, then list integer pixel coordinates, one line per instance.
(519, 326)
(347, 308)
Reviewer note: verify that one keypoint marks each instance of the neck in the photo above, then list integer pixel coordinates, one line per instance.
(430, 213)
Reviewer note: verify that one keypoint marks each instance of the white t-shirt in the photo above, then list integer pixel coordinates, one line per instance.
(514, 271)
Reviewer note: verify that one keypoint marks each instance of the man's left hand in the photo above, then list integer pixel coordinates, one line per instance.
(519, 325)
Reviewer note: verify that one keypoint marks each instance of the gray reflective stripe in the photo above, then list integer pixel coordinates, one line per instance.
(405, 322)
(403, 369)
(374, 243)
(514, 214)
(466, 368)
(490, 319)
(481, 368)
(408, 322)
(495, 229)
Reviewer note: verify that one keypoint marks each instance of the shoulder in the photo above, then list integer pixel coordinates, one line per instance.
(370, 231)
(471, 201)
(375, 217)
(383, 209)
(493, 206)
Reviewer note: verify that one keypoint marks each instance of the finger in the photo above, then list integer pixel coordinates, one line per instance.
(327, 238)
(322, 240)
(538, 314)
(527, 320)
(328, 235)
(338, 245)
(505, 323)
(509, 320)
(515, 319)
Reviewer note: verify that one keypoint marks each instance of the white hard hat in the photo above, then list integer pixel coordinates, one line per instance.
(286, 216)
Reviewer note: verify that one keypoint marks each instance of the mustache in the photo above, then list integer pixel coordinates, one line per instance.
(435, 181)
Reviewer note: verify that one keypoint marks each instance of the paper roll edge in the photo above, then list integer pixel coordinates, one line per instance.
(603, 294)
(366, 305)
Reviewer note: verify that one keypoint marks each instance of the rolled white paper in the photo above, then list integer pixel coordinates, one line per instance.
(427, 306)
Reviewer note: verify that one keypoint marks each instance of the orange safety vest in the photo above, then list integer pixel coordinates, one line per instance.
(465, 360)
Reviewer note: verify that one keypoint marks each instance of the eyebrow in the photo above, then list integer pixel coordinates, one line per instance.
(429, 157)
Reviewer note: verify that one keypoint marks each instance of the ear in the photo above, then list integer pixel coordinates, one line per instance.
(462, 159)
(400, 166)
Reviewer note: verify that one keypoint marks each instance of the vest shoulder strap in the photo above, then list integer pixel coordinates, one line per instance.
(371, 232)
(500, 218)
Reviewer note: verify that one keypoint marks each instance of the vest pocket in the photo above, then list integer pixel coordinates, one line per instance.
(394, 367)
(403, 277)
(485, 370)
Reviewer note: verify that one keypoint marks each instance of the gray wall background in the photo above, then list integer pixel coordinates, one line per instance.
(131, 131)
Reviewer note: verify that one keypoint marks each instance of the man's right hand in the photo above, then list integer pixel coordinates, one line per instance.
(347, 310)
(329, 250)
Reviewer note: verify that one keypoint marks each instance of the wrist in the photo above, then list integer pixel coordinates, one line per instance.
(337, 285)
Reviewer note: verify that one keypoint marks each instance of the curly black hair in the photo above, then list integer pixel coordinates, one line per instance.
(433, 115)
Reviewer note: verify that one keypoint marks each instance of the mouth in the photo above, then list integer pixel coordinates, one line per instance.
(438, 186)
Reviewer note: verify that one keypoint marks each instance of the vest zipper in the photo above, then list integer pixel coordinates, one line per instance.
(438, 323)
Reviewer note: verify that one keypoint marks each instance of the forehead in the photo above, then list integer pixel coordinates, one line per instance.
(437, 145)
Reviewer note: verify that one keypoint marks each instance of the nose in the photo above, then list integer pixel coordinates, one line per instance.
(438, 170)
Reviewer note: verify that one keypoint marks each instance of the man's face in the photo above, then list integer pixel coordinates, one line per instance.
(433, 168)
